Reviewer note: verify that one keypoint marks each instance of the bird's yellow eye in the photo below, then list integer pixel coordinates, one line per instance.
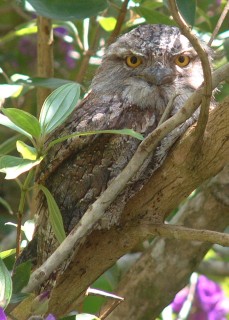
(182, 60)
(133, 61)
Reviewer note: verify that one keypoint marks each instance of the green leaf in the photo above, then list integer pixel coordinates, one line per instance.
(68, 10)
(7, 253)
(187, 9)
(16, 298)
(54, 215)
(21, 276)
(10, 90)
(26, 151)
(51, 83)
(5, 121)
(5, 285)
(107, 23)
(58, 106)
(128, 132)
(153, 16)
(24, 120)
(14, 166)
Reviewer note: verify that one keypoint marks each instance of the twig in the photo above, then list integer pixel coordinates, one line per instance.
(120, 20)
(96, 210)
(186, 308)
(219, 23)
(109, 309)
(207, 86)
(183, 233)
(87, 55)
(168, 109)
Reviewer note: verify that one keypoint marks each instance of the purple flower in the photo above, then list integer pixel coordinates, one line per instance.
(50, 317)
(179, 300)
(2, 314)
(209, 302)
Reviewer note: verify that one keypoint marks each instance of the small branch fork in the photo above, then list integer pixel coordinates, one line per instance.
(97, 209)
(207, 86)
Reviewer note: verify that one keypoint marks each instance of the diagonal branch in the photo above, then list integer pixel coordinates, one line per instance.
(96, 211)
(219, 23)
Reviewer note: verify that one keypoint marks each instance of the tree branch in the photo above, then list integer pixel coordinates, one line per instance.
(207, 89)
(119, 23)
(168, 263)
(170, 184)
(219, 23)
(44, 56)
(96, 211)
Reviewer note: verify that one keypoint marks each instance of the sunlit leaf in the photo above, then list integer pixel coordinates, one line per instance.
(10, 90)
(14, 166)
(26, 151)
(58, 106)
(54, 215)
(5, 285)
(68, 10)
(22, 30)
(24, 120)
(21, 276)
(128, 132)
(107, 23)
(7, 253)
(5, 121)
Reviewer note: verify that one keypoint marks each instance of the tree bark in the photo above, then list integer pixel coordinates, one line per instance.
(165, 267)
(183, 171)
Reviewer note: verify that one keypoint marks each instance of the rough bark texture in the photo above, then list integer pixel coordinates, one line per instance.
(166, 266)
(184, 170)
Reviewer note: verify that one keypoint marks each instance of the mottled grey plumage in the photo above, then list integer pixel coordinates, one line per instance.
(122, 96)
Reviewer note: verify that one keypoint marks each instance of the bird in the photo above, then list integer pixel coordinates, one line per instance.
(138, 76)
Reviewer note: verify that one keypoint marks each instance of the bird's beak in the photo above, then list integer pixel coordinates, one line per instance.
(158, 75)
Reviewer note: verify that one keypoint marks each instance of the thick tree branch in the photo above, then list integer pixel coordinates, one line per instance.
(166, 266)
(96, 211)
(164, 191)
